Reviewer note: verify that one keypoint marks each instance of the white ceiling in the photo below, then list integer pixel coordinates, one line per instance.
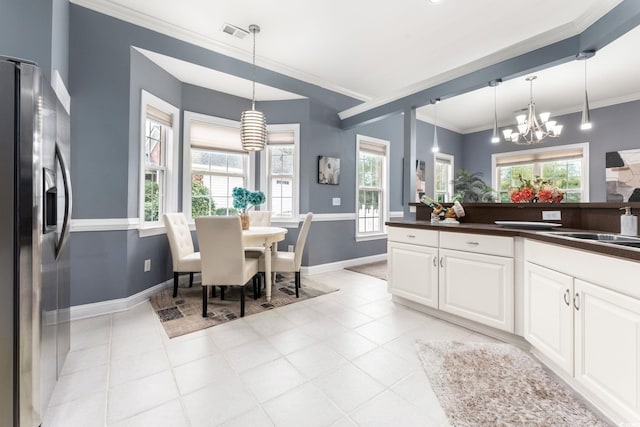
(379, 50)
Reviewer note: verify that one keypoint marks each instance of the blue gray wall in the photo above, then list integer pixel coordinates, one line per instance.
(106, 76)
(37, 30)
(614, 128)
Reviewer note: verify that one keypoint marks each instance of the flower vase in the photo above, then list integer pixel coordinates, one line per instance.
(244, 219)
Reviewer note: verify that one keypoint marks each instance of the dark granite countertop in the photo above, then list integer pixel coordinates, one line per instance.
(631, 254)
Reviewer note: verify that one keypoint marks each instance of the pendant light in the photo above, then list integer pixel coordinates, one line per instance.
(253, 124)
(585, 123)
(435, 148)
(495, 138)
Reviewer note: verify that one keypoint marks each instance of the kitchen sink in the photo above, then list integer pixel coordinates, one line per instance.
(610, 238)
(600, 237)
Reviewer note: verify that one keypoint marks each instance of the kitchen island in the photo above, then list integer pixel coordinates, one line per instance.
(575, 304)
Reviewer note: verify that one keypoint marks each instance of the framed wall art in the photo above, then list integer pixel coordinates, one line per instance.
(623, 176)
(328, 170)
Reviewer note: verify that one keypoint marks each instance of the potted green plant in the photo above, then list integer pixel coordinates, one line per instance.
(469, 187)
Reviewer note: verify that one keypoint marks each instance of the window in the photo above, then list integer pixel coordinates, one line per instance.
(280, 166)
(158, 158)
(443, 175)
(214, 163)
(372, 187)
(566, 167)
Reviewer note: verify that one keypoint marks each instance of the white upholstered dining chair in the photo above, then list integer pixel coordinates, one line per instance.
(290, 262)
(255, 248)
(260, 218)
(223, 259)
(185, 258)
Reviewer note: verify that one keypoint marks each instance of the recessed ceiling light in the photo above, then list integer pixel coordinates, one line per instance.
(435, 1)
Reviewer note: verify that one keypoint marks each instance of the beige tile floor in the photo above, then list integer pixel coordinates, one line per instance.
(342, 359)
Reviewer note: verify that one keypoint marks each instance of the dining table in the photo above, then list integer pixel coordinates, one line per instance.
(269, 236)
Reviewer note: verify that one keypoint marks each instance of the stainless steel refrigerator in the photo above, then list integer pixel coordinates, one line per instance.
(35, 199)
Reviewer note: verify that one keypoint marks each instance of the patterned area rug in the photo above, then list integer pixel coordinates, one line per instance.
(183, 314)
(481, 384)
(375, 269)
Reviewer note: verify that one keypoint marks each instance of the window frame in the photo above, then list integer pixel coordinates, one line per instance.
(555, 153)
(451, 160)
(189, 117)
(265, 176)
(384, 217)
(171, 161)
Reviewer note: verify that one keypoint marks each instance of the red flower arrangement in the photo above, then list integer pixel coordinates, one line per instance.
(536, 190)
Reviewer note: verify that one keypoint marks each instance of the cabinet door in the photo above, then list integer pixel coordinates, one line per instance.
(548, 314)
(607, 345)
(478, 287)
(413, 272)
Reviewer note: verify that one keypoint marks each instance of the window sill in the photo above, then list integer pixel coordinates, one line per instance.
(368, 237)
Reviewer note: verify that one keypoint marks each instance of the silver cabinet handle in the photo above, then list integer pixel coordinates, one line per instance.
(567, 294)
(435, 262)
(473, 243)
(411, 236)
(576, 301)
(441, 262)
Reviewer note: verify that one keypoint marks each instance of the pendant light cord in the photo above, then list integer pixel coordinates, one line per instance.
(253, 87)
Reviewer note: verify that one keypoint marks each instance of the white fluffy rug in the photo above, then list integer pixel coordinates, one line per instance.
(482, 384)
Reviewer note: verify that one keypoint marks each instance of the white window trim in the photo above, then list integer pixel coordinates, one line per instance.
(171, 196)
(450, 158)
(189, 117)
(264, 180)
(584, 146)
(362, 237)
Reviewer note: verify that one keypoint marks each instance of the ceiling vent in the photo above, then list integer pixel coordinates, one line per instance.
(234, 31)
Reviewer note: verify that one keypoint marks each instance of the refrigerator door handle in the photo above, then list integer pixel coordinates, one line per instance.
(66, 179)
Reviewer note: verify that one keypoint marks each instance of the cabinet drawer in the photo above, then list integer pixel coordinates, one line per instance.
(478, 243)
(413, 236)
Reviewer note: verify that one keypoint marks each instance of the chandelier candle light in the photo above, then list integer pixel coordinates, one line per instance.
(530, 130)
(253, 124)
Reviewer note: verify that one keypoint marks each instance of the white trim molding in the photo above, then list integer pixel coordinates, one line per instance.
(120, 224)
(339, 265)
(135, 17)
(116, 305)
(104, 224)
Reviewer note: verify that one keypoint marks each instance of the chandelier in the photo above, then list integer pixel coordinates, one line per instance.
(253, 124)
(532, 130)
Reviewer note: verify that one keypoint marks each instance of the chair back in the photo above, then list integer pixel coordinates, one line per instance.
(179, 237)
(260, 218)
(302, 238)
(221, 250)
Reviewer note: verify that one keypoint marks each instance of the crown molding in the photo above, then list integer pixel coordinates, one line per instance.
(131, 16)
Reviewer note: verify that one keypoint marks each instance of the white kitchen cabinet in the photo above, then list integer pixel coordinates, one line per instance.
(478, 287)
(593, 335)
(607, 346)
(412, 264)
(413, 272)
(548, 314)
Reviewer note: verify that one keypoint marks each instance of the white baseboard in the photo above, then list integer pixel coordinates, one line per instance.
(339, 265)
(116, 305)
(122, 304)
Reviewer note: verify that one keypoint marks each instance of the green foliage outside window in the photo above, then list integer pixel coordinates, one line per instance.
(151, 200)
(201, 202)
